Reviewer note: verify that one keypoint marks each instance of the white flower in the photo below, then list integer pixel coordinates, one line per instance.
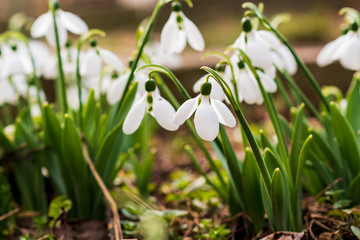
(72, 96)
(247, 86)
(117, 86)
(284, 60)
(153, 103)
(179, 29)
(346, 49)
(157, 56)
(66, 21)
(94, 59)
(209, 113)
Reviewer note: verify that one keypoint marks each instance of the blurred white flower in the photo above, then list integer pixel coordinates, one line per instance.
(95, 59)
(157, 56)
(346, 49)
(179, 29)
(66, 21)
(153, 103)
(72, 96)
(247, 86)
(209, 113)
(284, 60)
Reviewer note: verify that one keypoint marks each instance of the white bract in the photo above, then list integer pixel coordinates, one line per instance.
(209, 113)
(155, 105)
(345, 49)
(177, 31)
(66, 21)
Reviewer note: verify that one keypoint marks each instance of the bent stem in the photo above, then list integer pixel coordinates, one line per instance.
(109, 198)
(302, 65)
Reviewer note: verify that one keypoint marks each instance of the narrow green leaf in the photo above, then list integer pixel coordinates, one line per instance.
(52, 129)
(296, 139)
(346, 139)
(279, 204)
(252, 191)
(301, 161)
(88, 111)
(353, 192)
(5, 143)
(352, 108)
(356, 231)
(271, 161)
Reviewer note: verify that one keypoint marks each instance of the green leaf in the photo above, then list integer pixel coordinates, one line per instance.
(356, 231)
(271, 161)
(279, 204)
(346, 139)
(5, 143)
(352, 108)
(52, 129)
(296, 139)
(353, 192)
(252, 191)
(89, 111)
(301, 161)
(57, 206)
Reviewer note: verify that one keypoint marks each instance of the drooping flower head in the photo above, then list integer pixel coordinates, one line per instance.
(345, 49)
(178, 30)
(152, 103)
(65, 21)
(209, 113)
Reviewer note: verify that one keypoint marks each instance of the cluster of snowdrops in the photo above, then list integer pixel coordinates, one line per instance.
(101, 102)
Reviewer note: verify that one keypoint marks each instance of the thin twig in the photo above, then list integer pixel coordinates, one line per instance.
(9, 214)
(109, 198)
(327, 188)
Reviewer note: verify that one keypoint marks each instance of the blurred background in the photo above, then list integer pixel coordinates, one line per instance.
(313, 23)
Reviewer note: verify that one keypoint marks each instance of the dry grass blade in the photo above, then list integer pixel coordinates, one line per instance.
(9, 214)
(109, 198)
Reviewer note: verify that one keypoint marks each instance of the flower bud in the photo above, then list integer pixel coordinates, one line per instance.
(150, 85)
(176, 7)
(246, 24)
(205, 89)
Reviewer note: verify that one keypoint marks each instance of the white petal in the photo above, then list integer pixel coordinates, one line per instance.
(193, 34)
(186, 110)
(224, 114)
(62, 33)
(259, 54)
(50, 68)
(328, 53)
(135, 116)
(248, 88)
(240, 41)
(164, 113)
(169, 35)
(73, 23)
(350, 53)
(141, 78)
(111, 59)
(269, 38)
(91, 65)
(206, 120)
(20, 84)
(197, 84)
(116, 90)
(181, 41)
(288, 59)
(41, 25)
(268, 83)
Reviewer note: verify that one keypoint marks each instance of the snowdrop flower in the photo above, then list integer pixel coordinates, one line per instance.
(284, 60)
(157, 56)
(15, 61)
(209, 113)
(72, 96)
(179, 29)
(346, 49)
(257, 45)
(117, 86)
(246, 84)
(66, 21)
(93, 60)
(153, 103)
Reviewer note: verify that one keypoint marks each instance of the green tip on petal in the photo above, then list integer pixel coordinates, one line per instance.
(93, 43)
(354, 27)
(220, 67)
(241, 64)
(205, 89)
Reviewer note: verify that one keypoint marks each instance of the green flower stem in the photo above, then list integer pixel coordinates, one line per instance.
(252, 141)
(302, 65)
(61, 78)
(272, 113)
(283, 92)
(152, 20)
(300, 93)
